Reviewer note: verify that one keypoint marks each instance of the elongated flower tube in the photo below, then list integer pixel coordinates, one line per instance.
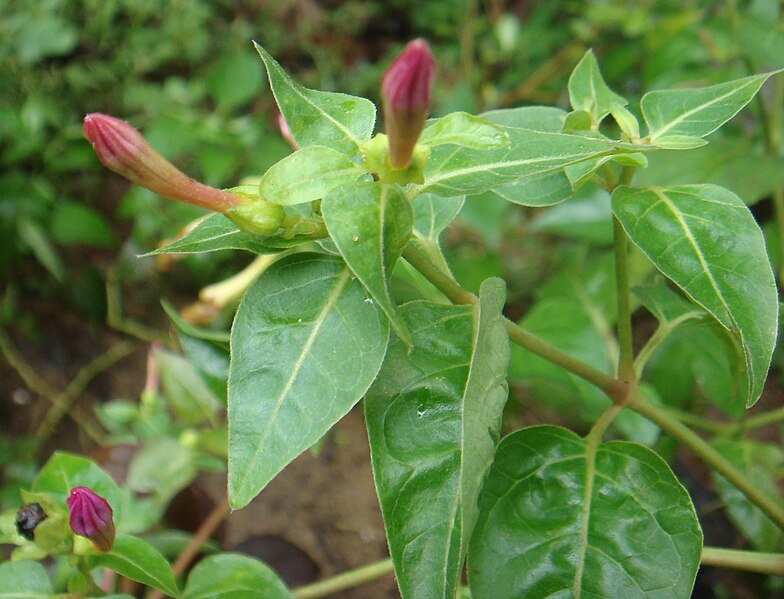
(90, 515)
(405, 92)
(122, 149)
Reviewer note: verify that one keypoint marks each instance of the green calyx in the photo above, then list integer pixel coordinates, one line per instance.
(375, 156)
(260, 217)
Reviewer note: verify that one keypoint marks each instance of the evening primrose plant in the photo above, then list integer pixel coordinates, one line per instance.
(542, 511)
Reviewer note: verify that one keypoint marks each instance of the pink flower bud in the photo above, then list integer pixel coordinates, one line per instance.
(285, 132)
(405, 91)
(91, 517)
(122, 149)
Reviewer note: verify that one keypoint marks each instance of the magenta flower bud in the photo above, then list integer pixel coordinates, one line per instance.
(91, 517)
(122, 149)
(405, 91)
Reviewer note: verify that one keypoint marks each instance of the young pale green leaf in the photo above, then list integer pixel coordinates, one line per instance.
(189, 396)
(697, 112)
(562, 517)
(466, 130)
(307, 175)
(761, 462)
(433, 418)
(136, 559)
(216, 232)
(679, 142)
(626, 121)
(589, 92)
(370, 224)
(707, 242)
(317, 118)
(233, 576)
(578, 120)
(305, 345)
(452, 170)
(24, 579)
(64, 471)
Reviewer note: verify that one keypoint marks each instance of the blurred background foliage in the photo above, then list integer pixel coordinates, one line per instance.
(186, 74)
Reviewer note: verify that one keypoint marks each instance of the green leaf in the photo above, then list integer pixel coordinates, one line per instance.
(370, 224)
(454, 170)
(679, 142)
(136, 559)
(588, 91)
(578, 120)
(760, 462)
(232, 576)
(563, 517)
(189, 396)
(234, 80)
(307, 175)
(76, 224)
(24, 580)
(161, 468)
(433, 419)
(317, 118)
(696, 112)
(306, 344)
(545, 189)
(707, 242)
(216, 232)
(725, 162)
(538, 118)
(466, 130)
(432, 214)
(64, 471)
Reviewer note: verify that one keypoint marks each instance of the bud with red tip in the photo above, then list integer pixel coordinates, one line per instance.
(91, 517)
(122, 149)
(405, 90)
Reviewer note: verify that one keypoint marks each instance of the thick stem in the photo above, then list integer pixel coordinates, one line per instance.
(626, 370)
(770, 506)
(617, 390)
(346, 580)
(751, 561)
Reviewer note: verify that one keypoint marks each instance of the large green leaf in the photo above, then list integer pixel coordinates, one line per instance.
(695, 113)
(136, 559)
(307, 175)
(317, 118)
(761, 462)
(24, 579)
(433, 419)
(704, 239)
(563, 517)
(216, 232)
(305, 345)
(453, 170)
(232, 576)
(589, 92)
(370, 224)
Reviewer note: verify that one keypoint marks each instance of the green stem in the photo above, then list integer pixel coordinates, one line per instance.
(617, 390)
(751, 561)
(771, 507)
(626, 370)
(346, 580)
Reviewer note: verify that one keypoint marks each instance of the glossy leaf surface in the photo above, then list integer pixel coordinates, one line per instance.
(589, 92)
(463, 129)
(232, 576)
(136, 559)
(370, 224)
(705, 240)
(307, 175)
(339, 121)
(561, 517)
(696, 112)
(433, 418)
(305, 346)
(216, 232)
(452, 170)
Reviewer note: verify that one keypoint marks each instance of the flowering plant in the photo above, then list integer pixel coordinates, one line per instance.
(542, 511)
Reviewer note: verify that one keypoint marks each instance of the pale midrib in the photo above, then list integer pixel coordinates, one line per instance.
(295, 371)
(590, 470)
(326, 115)
(694, 110)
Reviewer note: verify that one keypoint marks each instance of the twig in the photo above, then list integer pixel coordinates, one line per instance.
(751, 561)
(345, 580)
